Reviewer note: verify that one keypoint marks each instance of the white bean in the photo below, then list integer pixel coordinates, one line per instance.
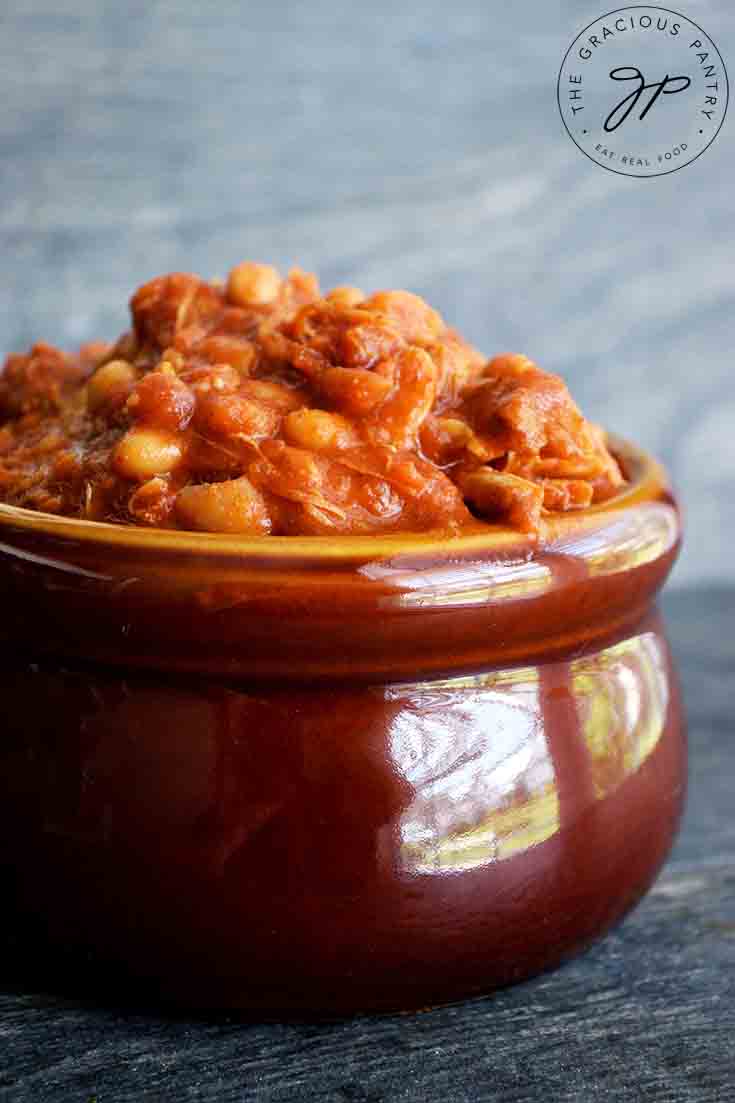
(233, 506)
(144, 453)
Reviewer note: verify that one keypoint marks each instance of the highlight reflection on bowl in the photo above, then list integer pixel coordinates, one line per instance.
(434, 838)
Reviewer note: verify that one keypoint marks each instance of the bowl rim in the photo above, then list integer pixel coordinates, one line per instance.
(647, 482)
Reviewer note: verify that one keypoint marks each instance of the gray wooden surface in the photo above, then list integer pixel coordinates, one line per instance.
(647, 1015)
(384, 144)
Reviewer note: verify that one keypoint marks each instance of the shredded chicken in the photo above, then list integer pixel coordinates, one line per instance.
(260, 406)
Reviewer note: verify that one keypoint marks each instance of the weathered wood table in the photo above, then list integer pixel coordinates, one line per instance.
(649, 1014)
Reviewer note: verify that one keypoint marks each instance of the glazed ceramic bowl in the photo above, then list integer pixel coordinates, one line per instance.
(304, 775)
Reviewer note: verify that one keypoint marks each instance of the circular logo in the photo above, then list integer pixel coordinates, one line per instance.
(642, 91)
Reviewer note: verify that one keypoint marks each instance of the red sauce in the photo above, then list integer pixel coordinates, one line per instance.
(261, 407)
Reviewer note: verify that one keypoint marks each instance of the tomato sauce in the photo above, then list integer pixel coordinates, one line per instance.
(260, 406)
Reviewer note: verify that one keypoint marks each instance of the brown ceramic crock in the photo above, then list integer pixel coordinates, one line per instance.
(296, 775)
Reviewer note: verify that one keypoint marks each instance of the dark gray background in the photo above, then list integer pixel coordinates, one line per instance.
(384, 144)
